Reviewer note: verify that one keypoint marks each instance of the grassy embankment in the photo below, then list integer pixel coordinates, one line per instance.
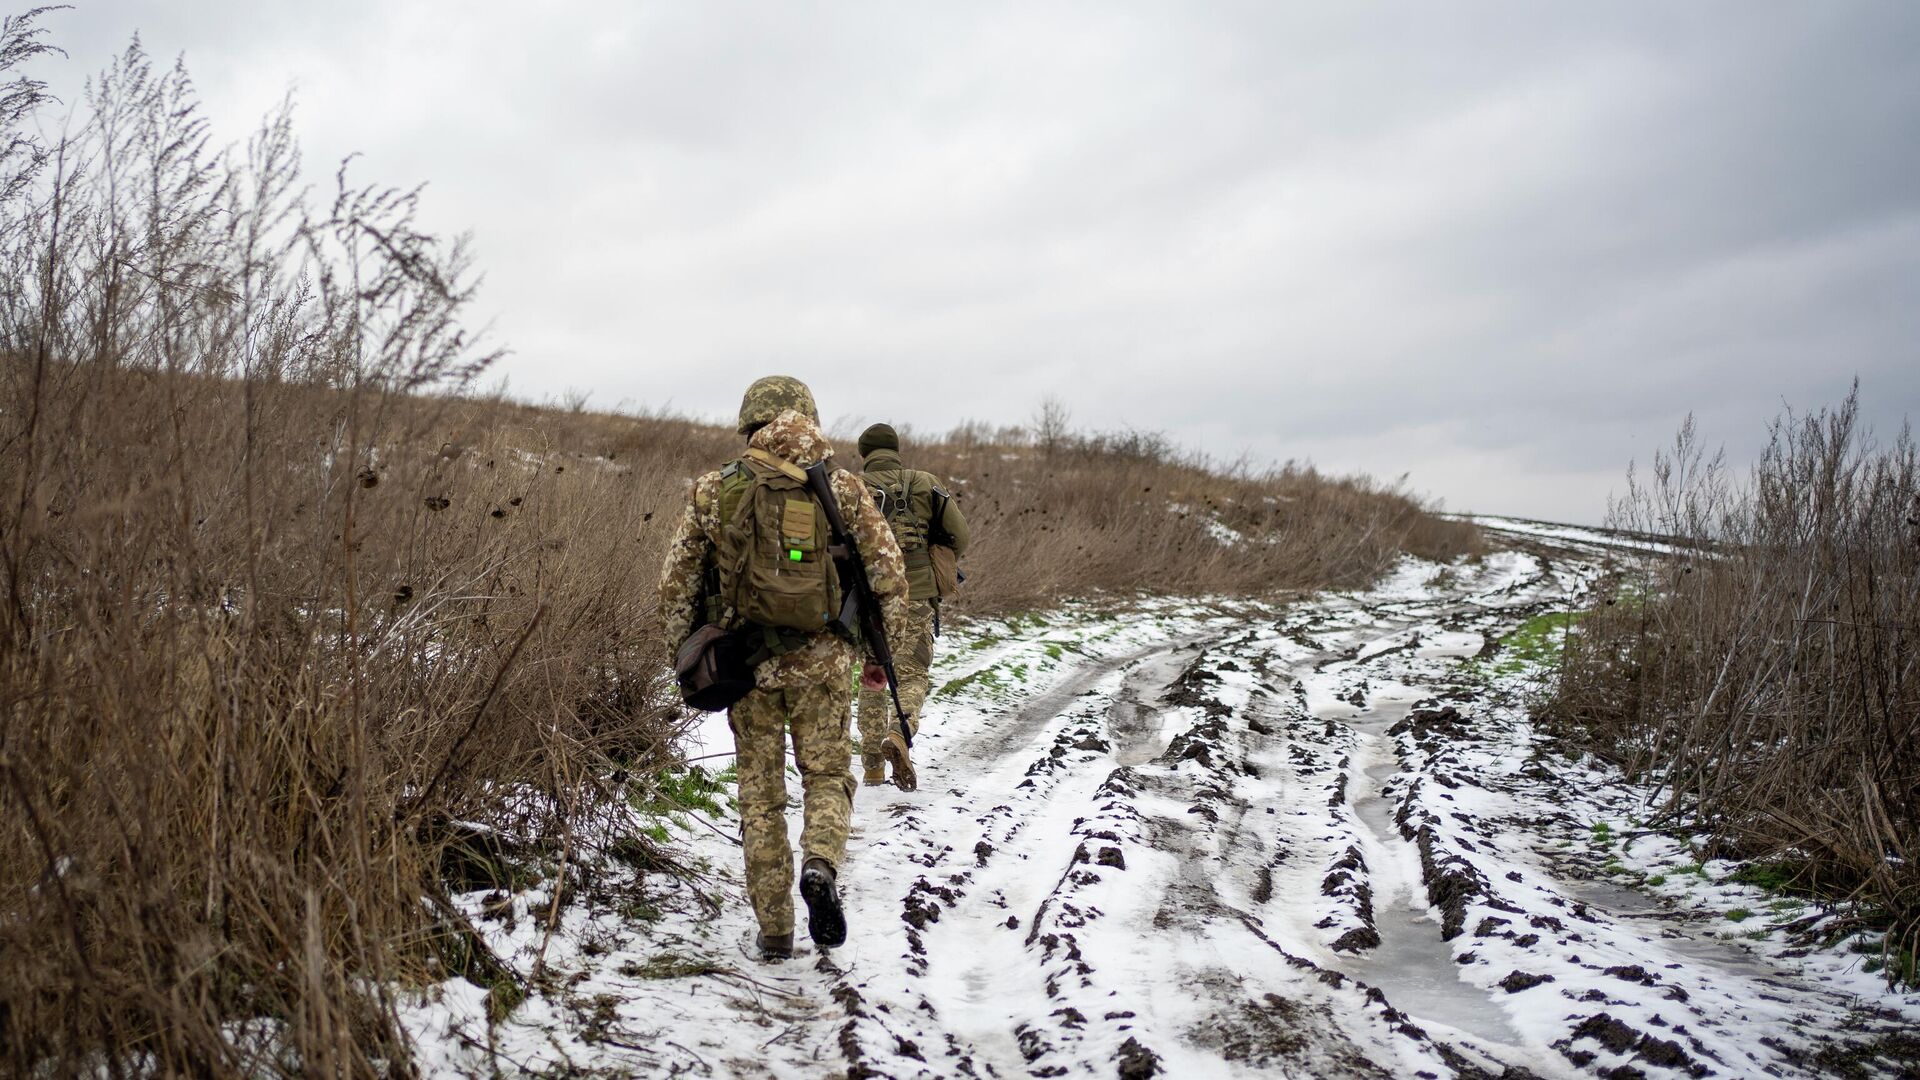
(297, 633)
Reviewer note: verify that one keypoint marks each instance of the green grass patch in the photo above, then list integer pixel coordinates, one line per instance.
(640, 911)
(1905, 968)
(1058, 649)
(986, 679)
(1538, 641)
(692, 788)
(503, 996)
(1657, 880)
(1771, 876)
(672, 794)
(1739, 914)
(1602, 834)
(1024, 624)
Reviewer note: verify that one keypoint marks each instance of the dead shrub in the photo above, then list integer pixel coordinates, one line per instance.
(277, 604)
(1060, 514)
(1763, 673)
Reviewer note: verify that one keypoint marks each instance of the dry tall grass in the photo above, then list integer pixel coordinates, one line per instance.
(1768, 674)
(1057, 514)
(261, 637)
(280, 604)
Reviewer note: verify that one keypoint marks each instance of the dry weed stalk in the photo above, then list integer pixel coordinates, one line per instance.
(1768, 672)
(260, 638)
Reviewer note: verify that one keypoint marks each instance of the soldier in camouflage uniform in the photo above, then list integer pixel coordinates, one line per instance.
(804, 691)
(911, 500)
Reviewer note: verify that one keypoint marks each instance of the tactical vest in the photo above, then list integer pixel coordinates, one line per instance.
(772, 566)
(895, 493)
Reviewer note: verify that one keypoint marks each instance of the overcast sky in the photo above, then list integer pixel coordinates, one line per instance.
(1502, 247)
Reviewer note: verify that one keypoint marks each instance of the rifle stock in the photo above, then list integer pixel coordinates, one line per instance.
(861, 609)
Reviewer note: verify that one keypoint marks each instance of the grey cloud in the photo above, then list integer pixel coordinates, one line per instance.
(1504, 247)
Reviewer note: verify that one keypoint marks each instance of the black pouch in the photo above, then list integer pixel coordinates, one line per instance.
(713, 669)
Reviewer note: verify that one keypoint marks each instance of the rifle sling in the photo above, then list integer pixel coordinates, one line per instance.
(777, 463)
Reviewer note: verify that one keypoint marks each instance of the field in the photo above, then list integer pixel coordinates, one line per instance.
(291, 610)
(335, 737)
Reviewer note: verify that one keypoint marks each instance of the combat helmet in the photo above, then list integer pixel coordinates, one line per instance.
(767, 397)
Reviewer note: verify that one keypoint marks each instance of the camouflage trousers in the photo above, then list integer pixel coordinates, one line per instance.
(876, 707)
(816, 716)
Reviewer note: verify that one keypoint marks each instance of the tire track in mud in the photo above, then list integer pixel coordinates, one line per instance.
(984, 900)
(1029, 720)
(1514, 915)
(1281, 843)
(1155, 769)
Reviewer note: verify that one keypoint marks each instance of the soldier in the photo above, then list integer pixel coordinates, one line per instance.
(802, 686)
(925, 520)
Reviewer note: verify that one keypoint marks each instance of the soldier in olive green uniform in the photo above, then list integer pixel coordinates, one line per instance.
(803, 688)
(924, 519)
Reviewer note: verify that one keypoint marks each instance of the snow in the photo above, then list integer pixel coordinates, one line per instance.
(1599, 539)
(1163, 833)
(709, 741)
(1219, 531)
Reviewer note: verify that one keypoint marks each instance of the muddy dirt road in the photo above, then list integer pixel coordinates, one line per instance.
(1195, 841)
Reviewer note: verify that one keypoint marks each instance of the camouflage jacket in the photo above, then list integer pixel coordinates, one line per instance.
(797, 439)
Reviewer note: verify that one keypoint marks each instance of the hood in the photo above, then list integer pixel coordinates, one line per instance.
(792, 436)
(882, 461)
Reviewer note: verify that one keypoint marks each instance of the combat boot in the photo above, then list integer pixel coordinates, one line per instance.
(774, 946)
(901, 759)
(825, 920)
(876, 769)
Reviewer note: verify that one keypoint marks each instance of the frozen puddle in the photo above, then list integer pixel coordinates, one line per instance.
(1412, 965)
(1451, 644)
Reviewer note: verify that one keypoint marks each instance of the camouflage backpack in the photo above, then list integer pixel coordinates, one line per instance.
(772, 563)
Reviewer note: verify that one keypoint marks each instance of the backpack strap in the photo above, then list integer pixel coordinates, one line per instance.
(906, 489)
(777, 463)
(882, 501)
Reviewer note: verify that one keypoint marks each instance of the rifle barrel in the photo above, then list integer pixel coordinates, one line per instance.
(853, 578)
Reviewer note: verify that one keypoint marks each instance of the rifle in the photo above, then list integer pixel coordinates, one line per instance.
(938, 536)
(860, 613)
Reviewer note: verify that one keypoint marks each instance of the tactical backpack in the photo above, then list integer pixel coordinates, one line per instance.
(923, 543)
(894, 496)
(895, 500)
(773, 570)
